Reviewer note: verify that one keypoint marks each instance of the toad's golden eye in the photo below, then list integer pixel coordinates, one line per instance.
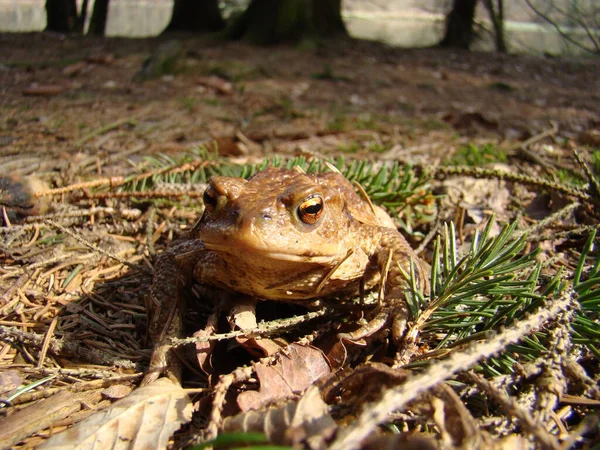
(210, 198)
(310, 209)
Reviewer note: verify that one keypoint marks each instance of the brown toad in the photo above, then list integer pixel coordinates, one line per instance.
(285, 235)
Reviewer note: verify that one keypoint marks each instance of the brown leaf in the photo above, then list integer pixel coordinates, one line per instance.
(296, 369)
(262, 347)
(44, 414)
(205, 349)
(216, 83)
(305, 422)
(227, 146)
(471, 122)
(453, 419)
(404, 441)
(116, 391)
(101, 58)
(337, 354)
(74, 69)
(590, 137)
(44, 90)
(10, 380)
(145, 419)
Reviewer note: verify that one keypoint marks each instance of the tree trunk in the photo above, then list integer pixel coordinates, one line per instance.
(61, 16)
(497, 18)
(99, 16)
(196, 15)
(327, 17)
(459, 25)
(82, 16)
(272, 21)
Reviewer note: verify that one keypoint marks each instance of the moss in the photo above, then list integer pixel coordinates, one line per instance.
(596, 161)
(501, 86)
(338, 123)
(366, 122)
(566, 176)
(474, 155)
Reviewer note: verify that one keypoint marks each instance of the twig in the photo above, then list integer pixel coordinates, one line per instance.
(60, 347)
(568, 234)
(105, 381)
(97, 249)
(46, 343)
(478, 172)
(143, 194)
(104, 129)
(564, 35)
(119, 181)
(589, 425)
(527, 422)
(592, 180)
(535, 230)
(396, 398)
(112, 181)
(264, 328)
(221, 388)
(530, 156)
(432, 233)
(538, 137)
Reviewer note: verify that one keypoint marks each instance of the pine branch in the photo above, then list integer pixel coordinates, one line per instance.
(494, 285)
(396, 398)
(478, 172)
(397, 187)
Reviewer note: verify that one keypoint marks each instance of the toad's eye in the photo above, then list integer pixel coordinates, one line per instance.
(210, 198)
(310, 209)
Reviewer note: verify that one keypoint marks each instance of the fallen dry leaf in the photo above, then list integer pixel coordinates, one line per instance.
(101, 58)
(261, 347)
(305, 421)
(75, 69)
(10, 380)
(116, 391)
(216, 83)
(204, 350)
(145, 419)
(478, 197)
(396, 441)
(44, 90)
(42, 415)
(295, 370)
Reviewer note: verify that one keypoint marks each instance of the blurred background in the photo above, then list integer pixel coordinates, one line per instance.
(532, 27)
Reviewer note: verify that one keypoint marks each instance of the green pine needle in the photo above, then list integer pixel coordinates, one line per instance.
(495, 284)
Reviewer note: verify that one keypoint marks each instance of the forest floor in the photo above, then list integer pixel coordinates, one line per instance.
(76, 120)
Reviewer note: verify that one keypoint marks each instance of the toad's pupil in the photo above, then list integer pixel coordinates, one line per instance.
(312, 209)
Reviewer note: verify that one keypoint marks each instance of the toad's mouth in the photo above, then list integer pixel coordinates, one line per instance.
(239, 251)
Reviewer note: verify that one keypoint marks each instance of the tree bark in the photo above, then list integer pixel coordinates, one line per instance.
(497, 18)
(196, 15)
(82, 16)
(99, 16)
(273, 21)
(61, 16)
(327, 17)
(459, 25)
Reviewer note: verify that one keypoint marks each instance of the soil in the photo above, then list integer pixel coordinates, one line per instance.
(429, 101)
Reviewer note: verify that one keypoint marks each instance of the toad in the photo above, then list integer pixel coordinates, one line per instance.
(289, 236)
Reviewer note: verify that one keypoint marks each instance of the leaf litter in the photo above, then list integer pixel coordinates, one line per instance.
(110, 178)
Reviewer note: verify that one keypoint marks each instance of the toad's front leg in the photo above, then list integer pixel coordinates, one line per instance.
(172, 272)
(395, 260)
